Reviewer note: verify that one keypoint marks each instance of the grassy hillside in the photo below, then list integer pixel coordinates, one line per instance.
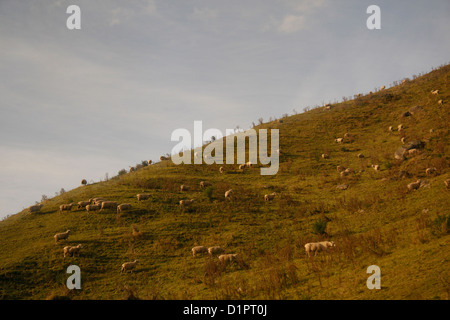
(376, 221)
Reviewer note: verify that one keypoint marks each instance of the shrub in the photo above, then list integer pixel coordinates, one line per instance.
(121, 172)
(320, 226)
(209, 193)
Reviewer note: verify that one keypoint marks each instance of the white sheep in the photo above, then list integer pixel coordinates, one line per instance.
(325, 156)
(108, 205)
(339, 140)
(382, 88)
(318, 246)
(249, 164)
(83, 204)
(414, 185)
(149, 162)
(269, 197)
(129, 266)
(400, 127)
(123, 207)
(71, 251)
(413, 152)
(65, 207)
(441, 102)
(61, 236)
(186, 203)
(228, 194)
(35, 208)
(403, 140)
(376, 167)
(221, 169)
(228, 258)
(215, 250)
(242, 166)
(430, 171)
(199, 249)
(92, 207)
(435, 92)
(340, 168)
(391, 128)
(142, 196)
(184, 188)
(360, 155)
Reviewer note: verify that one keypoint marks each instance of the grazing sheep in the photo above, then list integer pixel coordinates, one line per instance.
(242, 167)
(269, 197)
(35, 208)
(376, 167)
(149, 162)
(162, 158)
(228, 194)
(400, 127)
(61, 236)
(403, 140)
(441, 102)
(83, 204)
(430, 171)
(360, 155)
(435, 92)
(340, 168)
(129, 266)
(382, 88)
(142, 196)
(204, 184)
(249, 164)
(228, 258)
(212, 251)
(431, 130)
(414, 185)
(84, 182)
(92, 207)
(65, 207)
(123, 207)
(186, 203)
(346, 172)
(318, 246)
(221, 169)
(325, 156)
(413, 152)
(71, 251)
(391, 128)
(198, 250)
(328, 106)
(184, 188)
(342, 187)
(339, 140)
(109, 205)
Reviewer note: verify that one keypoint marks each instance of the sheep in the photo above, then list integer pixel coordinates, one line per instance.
(221, 169)
(162, 158)
(347, 135)
(196, 155)
(400, 127)
(447, 183)
(61, 236)
(430, 171)
(242, 166)
(382, 88)
(204, 184)
(346, 172)
(142, 196)
(360, 155)
(228, 194)
(403, 140)
(84, 182)
(228, 258)
(184, 187)
(358, 95)
(414, 185)
(71, 251)
(35, 208)
(431, 130)
(328, 106)
(249, 164)
(92, 207)
(441, 102)
(339, 140)
(376, 167)
(65, 207)
(122, 207)
(318, 246)
(269, 197)
(108, 205)
(435, 92)
(198, 250)
(340, 168)
(129, 266)
(83, 204)
(391, 128)
(413, 152)
(186, 203)
(279, 151)
(215, 250)
(325, 156)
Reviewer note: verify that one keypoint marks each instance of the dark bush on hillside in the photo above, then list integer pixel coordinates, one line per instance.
(320, 226)
(121, 172)
(208, 193)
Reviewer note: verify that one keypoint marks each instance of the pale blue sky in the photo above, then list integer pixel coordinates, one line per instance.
(78, 104)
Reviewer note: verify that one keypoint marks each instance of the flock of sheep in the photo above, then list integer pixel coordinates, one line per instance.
(100, 204)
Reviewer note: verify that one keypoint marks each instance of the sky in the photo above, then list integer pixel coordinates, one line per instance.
(79, 104)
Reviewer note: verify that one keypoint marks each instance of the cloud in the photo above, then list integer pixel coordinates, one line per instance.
(298, 19)
(204, 14)
(291, 24)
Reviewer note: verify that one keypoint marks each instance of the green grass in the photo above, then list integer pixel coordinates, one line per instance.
(375, 221)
